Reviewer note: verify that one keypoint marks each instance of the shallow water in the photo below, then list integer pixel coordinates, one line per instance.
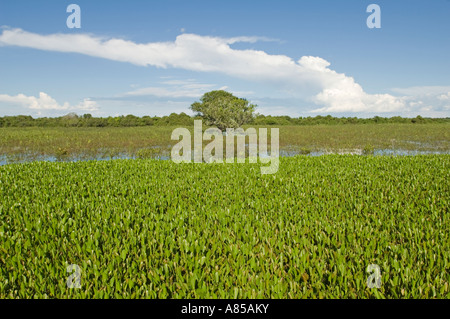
(380, 152)
(23, 158)
(288, 152)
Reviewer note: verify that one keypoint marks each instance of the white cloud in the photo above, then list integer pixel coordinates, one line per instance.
(430, 101)
(444, 97)
(141, 108)
(181, 89)
(187, 51)
(165, 92)
(309, 78)
(43, 102)
(348, 96)
(86, 105)
(250, 39)
(413, 104)
(46, 102)
(422, 90)
(174, 89)
(179, 82)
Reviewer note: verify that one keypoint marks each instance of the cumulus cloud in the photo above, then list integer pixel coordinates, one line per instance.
(46, 102)
(309, 78)
(431, 101)
(353, 99)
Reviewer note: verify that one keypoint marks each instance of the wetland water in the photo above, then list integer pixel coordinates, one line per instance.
(165, 155)
(19, 145)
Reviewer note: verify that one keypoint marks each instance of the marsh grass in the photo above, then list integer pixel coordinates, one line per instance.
(62, 144)
(427, 137)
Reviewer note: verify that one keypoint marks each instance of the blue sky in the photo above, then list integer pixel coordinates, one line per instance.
(297, 58)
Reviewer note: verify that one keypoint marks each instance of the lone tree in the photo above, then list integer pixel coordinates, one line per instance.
(223, 110)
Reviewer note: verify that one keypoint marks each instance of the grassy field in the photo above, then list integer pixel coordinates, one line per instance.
(17, 144)
(155, 229)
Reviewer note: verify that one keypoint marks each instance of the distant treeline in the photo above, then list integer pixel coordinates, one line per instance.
(87, 120)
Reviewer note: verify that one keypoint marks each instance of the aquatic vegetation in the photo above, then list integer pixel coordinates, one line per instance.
(155, 229)
(65, 144)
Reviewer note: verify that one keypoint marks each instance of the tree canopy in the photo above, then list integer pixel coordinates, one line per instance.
(224, 110)
(182, 119)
